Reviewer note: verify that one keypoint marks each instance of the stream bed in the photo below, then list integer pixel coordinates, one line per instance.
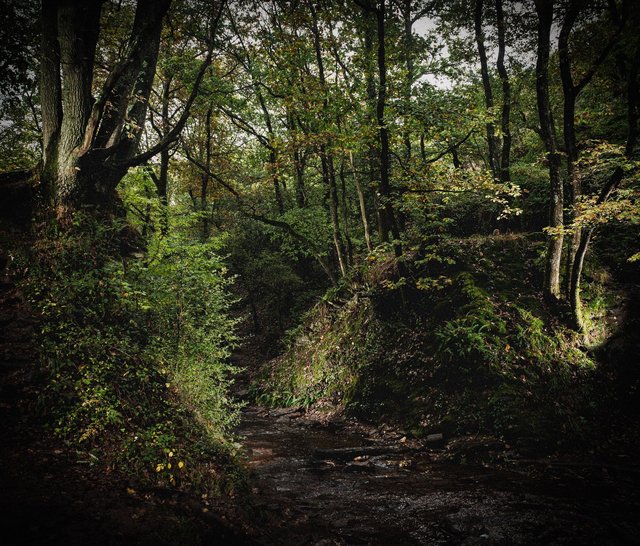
(301, 497)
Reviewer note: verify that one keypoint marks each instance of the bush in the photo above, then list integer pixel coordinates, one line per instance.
(135, 352)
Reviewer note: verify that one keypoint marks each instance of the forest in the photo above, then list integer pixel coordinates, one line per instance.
(319, 272)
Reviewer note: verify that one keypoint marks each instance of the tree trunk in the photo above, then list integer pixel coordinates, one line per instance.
(569, 113)
(389, 224)
(362, 204)
(571, 92)
(373, 156)
(78, 28)
(455, 157)
(298, 163)
(486, 84)
(273, 156)
(328, 170)
(328, 174)
(83, 138)
(204, 186)
(345, 214)
(408, 51)
(505, 156)
(162, 180)
(544, 10)
(633, 114)
(51, 90)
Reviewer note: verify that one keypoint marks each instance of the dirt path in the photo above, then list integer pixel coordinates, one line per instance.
(410, 499)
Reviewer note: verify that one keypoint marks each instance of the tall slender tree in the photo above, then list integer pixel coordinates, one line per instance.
(545, 12)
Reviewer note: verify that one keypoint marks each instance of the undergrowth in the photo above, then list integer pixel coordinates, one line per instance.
(134, 354)
(456, 359)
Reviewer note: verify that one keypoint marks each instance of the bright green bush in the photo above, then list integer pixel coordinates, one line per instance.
(134, 351)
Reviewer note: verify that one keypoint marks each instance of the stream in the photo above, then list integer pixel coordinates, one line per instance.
(302, 497)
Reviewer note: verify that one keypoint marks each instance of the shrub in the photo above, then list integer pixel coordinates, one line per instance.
(135, 352)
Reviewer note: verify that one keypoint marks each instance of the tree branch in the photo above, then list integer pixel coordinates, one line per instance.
(251, 213)
(174, 133)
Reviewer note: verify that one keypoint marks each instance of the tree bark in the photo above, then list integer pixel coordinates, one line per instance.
(78, 27)
(50, 86)
(79, 169)
(273, 155)
(408, 52)
(486, 85)
(505, 156)
(373, 156)
(362, 204)
(570, 95)
(389, 224)
(161, 181)
(544, 9)
(345, 213)
(134, 72)
(298, 163)
(204, 183)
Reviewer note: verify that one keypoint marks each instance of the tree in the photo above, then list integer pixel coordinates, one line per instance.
(544, 10)
(571, 92)
(505, 155)
(585, 229)
(90, 142)
(492, 141)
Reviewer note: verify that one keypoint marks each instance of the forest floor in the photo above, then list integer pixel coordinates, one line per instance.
(309, 489)
(322, 479)
(316, 481)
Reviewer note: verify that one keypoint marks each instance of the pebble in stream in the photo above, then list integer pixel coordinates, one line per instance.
(398, 500)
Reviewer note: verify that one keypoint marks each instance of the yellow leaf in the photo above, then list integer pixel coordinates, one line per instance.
(131, 491)
(180, 464)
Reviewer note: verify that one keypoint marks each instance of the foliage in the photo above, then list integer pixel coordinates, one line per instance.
(135, 353)
(461, 360)
(437, 321)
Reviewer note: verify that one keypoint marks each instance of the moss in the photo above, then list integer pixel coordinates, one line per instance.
(462, 359)
(323, 362)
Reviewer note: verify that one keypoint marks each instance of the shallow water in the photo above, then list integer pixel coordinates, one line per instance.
(409, 499)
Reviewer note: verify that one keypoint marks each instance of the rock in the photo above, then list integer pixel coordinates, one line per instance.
(351, 453)
(280, 412)
(366, 466)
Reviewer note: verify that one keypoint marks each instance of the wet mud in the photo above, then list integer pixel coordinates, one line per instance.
(416, 497)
